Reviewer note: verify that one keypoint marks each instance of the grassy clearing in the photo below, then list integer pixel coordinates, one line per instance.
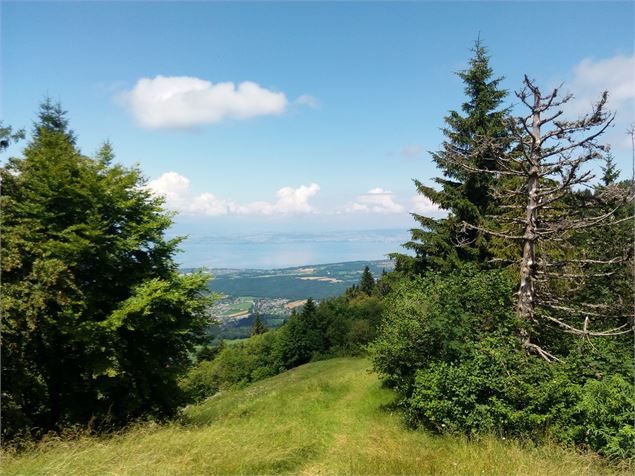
(328, 417)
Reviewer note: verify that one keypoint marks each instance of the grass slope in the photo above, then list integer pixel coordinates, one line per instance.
(323, 418)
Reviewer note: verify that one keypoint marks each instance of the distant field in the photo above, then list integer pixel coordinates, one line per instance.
(329, 417)
(317, 281)
(288, 287)
(240, 307)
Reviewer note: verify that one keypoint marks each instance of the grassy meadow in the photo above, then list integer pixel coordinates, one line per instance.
(329, 417)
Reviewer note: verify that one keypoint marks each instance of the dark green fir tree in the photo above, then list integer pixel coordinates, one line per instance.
(367, 282)
(97, 322)
(442, 244)
(259, 326)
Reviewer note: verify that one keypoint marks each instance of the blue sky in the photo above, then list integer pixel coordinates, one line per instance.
(341, 105)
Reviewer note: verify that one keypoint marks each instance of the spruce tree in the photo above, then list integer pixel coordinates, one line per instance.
(97, 322)
(367, 282)
(258, 327)
(610, 172)
(442, 244)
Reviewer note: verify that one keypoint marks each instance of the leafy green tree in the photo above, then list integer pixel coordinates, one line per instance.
(443, 244)
(367, 282)
(258, 327)
(97, 323)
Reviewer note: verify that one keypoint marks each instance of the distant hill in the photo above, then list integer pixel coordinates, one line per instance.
(319, 281)
(329, 417)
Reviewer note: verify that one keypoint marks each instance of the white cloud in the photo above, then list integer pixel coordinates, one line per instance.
(614, 75)
(182, 102)
(376, 200)
(175, 188)
(309, 101)
(424, 206)
(411, 151)
(296, 200)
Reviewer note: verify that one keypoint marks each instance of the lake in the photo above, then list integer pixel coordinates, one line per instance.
(282, 250)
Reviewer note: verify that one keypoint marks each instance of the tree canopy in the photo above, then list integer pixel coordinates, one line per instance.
(97, 322)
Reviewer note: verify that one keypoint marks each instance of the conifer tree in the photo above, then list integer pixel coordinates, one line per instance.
(96, 320)
(610, 172)
(367, 282)
(560, 230)
(259, 326)
(443, 244)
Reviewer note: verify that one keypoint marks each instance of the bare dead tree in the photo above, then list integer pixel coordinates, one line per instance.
(541, 190)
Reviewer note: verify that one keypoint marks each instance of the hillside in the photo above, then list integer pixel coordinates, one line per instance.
(273, 293)
(317, 281)
(329, 417)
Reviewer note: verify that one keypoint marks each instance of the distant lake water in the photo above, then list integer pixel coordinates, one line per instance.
(282, 250)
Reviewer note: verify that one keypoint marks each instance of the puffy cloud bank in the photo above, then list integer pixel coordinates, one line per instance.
(424, 206)
(376, 200)
(175, 188)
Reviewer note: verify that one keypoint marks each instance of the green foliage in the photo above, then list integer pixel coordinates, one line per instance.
(367, 282)
(443, 244)
(209, 352)
(9, 136)
(234, 366)
(335, 327)
(604, 417)
(300, 337)
(498, 389)
(448, 345)
(439, 318)
(610, 172)
(258, 327)
(97, 322)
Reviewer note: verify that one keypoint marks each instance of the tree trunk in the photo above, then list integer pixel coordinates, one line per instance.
(527, 291)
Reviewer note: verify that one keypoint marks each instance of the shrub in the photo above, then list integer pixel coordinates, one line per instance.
(448, 345)
(438, 318)
(234, 366)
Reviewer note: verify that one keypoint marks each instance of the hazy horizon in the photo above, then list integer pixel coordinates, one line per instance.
(272, 250)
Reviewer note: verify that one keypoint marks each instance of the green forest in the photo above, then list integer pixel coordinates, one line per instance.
(507, 325)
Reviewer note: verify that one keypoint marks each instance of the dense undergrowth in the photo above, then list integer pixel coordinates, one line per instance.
(447, 345)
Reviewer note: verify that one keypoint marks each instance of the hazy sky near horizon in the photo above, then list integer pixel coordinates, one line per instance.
(293, 115)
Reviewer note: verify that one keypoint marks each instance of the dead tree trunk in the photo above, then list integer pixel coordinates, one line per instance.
(547, 169)
(527, 290)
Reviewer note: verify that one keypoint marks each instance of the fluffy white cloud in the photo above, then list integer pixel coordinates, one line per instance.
(424, 206)
(615, 75)
(181, 102)
(376, 200)
(296, 200)
(175, 188)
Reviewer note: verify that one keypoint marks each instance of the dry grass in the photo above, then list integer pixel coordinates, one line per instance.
(323, 418)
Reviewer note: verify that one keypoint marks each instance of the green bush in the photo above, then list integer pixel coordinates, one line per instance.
(437, 319)
(448, 345)
(234, 366)
(604, 417)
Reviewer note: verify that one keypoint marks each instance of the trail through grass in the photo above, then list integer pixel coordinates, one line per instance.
(328, 417)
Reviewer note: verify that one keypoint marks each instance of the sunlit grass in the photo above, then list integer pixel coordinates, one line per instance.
(329, 417)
